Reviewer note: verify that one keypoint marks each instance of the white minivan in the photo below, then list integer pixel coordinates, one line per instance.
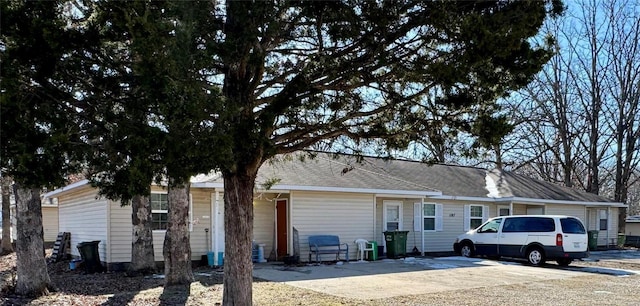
(536, 238)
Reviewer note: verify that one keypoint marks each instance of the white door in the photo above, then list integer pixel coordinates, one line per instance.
(392, 216)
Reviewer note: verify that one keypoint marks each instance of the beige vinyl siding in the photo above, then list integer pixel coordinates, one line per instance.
(438, 241)
(121, 232)
(632, 228)
(201, 210)
(593, 223)
(50, 223)
(452, 225)
(519, 209)
(121, 229)
(567, 210)
(264, 221)
(85, 217)
(198, 237)
(347, 215)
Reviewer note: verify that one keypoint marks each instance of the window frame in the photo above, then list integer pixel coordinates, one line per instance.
(602, 212)
(471, 217)
(159, 211)
(434, 217)
(190, 220)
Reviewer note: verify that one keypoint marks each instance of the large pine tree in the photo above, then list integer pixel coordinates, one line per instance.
(39, 131)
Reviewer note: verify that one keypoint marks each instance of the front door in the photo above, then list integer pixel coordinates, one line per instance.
(281, 228)
(392, 216)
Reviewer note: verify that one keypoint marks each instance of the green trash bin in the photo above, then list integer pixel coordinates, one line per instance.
(621, 239)
(593, 240)
(90, 256)
(373, 254)
(396, 242)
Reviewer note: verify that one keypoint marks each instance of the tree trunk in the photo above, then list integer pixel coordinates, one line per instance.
(142, 258)
(5, 184)
(177, 248)
(238, 219)
(33, 279)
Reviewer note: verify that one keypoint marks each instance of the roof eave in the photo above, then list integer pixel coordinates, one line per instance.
(420, 193)
(69, 187)
(551, 201)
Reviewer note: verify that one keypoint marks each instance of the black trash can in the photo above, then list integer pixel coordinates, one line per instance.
(592, 237)
(396, 243)
(90, 256)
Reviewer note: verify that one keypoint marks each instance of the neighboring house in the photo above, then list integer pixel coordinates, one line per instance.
(49, 219)
(632, 228)
(339, 196)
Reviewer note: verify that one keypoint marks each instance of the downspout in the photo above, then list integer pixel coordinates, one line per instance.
(216, 229)
(213, 223)
(609, 223)
(422, 225)
(374, 219)
(510, 208)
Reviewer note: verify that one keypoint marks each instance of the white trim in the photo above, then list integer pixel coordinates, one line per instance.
(548, 201)
(375, 203)
(66, 188)
(421, 193)
(212, 217)
(530, 201)
(473, 199)
(288, 188)
(207, 185)
(391, 195)
(422, 229)
(216, 246)
(108, 242)
(190, 217)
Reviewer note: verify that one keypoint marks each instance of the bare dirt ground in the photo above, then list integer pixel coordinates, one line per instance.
(115, 288)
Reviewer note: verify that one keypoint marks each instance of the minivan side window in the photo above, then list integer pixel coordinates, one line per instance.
(528, 224)
(572, 226)
(491, 226)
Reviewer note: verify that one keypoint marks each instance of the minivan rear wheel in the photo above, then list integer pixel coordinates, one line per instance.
(466, 250)
(564, 262)
(535, 256)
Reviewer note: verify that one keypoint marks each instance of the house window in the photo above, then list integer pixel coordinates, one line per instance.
(429, 217)
(503, 211)
(159, 211)
(603, 219)
(475, 216)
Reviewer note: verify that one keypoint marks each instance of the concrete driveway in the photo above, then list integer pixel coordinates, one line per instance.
(389, 278)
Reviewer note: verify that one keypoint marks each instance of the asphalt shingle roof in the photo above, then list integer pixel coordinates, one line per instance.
(346, 171)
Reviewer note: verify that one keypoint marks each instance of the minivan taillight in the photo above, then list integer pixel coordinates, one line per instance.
(559, 240)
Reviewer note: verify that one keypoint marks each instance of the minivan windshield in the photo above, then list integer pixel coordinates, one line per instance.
(572, 226)
(491, 226)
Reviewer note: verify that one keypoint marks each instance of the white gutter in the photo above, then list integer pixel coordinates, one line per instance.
(66, 188)
(530, 200)
(476, 199)
(420, 193)
(520, 200)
